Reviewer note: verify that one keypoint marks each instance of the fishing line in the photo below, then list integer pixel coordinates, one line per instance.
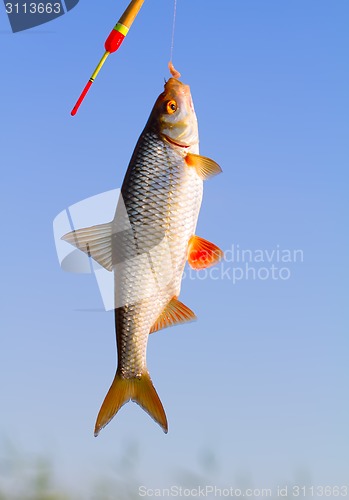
(173, 28)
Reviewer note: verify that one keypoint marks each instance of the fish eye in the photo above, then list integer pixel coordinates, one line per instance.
(171, 107)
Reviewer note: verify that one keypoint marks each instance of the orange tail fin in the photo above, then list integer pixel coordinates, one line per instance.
(140, 390)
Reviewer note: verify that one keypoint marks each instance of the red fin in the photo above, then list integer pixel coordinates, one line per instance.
(140, 390)
(174, 313)
(205, 167)
(202, 253)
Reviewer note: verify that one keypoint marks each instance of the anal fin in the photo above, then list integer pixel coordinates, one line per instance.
(175, 312)
(202, 253)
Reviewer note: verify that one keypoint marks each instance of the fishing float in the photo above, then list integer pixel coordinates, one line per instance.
(112, 43)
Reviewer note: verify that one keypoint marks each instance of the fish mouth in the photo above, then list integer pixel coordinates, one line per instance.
(178, 144)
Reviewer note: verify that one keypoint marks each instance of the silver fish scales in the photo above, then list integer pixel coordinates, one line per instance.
(162, 197)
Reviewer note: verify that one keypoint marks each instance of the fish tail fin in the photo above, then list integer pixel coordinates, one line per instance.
(140, 390)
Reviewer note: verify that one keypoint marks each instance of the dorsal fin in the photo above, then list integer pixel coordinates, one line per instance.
(95, 241)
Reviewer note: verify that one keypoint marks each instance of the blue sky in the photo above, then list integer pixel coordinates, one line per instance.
(261, 379)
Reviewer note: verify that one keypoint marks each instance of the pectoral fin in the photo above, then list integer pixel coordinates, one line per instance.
(95, 241)
(174, 313)
(202, 253)
(205, 167)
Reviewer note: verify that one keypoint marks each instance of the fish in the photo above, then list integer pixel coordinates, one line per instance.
(149, 241)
